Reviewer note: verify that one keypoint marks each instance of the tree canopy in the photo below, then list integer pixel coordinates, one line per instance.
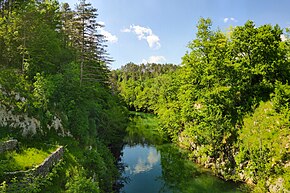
(54, 69)
(227, 102)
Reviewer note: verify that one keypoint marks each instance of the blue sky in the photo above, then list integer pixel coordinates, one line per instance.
(159, 30)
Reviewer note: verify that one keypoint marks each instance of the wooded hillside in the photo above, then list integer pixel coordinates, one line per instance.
(228, 103)
(54, 88)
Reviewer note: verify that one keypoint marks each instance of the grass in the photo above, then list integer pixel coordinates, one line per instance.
(30, 153)
(24, 159)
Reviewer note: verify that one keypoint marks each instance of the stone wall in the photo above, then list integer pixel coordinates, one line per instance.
(42, 169)
(8, 145)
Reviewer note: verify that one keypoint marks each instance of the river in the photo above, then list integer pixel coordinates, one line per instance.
(151, 165)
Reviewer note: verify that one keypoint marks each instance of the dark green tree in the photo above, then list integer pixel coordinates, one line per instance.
(89, 43)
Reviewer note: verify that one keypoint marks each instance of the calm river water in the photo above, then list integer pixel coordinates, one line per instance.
(152, 166)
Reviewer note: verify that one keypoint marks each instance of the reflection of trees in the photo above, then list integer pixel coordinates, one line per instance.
(120, 183)
(143, 131)
(180, 175)
(176, 170)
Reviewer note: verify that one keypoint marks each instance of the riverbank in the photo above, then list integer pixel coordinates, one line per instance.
(149, 158)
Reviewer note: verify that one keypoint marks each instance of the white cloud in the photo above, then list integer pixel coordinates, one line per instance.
(126, 30)
(155, 59)
(153, 157)
(144, 165)
(153, 41)
(283, 37)
(227, 19)
(144, 33)
(101, 23)
(141, 32)
(108, 36)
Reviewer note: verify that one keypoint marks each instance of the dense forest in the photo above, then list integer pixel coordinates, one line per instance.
(54, 75)
(228, 102)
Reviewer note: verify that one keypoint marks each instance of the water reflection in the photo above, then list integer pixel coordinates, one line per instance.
(142, 169)
(143, 164)
(143, 130)
(176, 169)
(154, 167)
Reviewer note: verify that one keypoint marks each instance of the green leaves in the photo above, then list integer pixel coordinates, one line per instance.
(210, 103)
(263, 144)
(43, 57)
(281, 97)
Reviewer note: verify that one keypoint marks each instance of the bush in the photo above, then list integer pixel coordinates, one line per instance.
(263, 142)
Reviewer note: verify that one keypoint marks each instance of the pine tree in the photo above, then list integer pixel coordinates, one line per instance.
(92, 55)
(67, 16)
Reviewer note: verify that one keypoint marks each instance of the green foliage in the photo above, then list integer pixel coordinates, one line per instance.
(172, 162)
(144, 129)
(263, 144)
(30, 183)
(192, 178)
(14, 90)
(43, 90)
(42, 61)
(281, 97)
(24, 159)
(137, 86)
(92, 168)
(210, 104)
(82, 184)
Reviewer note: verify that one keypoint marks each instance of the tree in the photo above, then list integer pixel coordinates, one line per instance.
(212, 104)
(89, 43)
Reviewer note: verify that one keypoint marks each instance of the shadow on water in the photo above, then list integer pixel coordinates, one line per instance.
(151, 165)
